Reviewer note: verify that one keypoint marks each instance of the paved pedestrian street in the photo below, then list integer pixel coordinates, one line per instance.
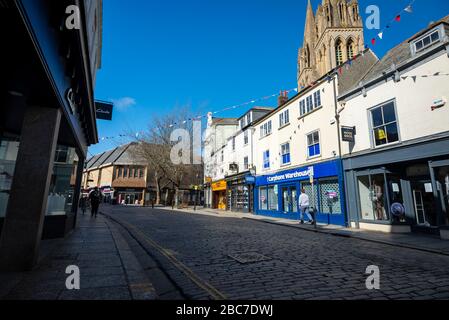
(214, 257)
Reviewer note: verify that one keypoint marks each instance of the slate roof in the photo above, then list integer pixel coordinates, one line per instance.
(399, 54)
(122, 155)
(224, 121)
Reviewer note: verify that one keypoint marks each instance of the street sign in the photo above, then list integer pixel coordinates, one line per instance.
(104, 110)
(348, 134)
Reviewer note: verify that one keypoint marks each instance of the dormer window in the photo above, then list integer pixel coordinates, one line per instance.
(426, 41)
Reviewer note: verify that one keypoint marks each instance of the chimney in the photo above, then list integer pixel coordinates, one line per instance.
(283, 98)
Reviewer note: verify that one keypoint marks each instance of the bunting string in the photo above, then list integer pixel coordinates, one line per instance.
(200, 117)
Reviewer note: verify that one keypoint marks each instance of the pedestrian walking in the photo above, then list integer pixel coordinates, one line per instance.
(83, 204)
(95, 199)
(304, 204)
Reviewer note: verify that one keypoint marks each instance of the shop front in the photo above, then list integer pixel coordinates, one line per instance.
(219, 195)
(277, 195)
(240, 193)
(130, 196)
(409, 193)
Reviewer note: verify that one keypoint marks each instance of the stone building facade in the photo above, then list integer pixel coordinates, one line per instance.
(331, 36)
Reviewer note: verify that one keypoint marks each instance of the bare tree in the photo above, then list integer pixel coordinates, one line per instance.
(155, 146)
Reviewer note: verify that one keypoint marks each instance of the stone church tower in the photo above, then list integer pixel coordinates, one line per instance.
(331, 36)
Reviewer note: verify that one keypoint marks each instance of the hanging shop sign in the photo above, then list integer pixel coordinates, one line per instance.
(104, 110)
(219, 185)
(348, 134)
(250, 180)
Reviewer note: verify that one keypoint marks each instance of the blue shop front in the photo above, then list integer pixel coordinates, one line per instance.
(277, 194)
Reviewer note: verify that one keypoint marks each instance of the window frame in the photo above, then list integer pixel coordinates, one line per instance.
(245, 138)
(438, 30)
(314, 144)
(246, 163)
(372, 127)
(266, 159)
(284, 118)
(286, 155)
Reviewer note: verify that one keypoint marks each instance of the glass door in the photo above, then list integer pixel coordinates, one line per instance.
(289, 199)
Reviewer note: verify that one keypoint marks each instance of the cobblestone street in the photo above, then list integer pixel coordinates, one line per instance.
(198, 254)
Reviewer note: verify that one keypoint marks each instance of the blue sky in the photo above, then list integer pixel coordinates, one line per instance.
(212, 54)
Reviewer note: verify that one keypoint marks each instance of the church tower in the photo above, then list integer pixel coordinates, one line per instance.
(331, 36)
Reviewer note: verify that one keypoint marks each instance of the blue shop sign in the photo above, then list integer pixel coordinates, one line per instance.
(321, 170)
(250, 180)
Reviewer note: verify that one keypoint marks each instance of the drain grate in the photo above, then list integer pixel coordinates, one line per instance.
(248, 257)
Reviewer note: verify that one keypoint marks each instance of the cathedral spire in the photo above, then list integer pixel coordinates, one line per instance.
(309, 29)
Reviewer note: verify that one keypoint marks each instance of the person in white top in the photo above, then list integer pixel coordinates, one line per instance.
(304, 206)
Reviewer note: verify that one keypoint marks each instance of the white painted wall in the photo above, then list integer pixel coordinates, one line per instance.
(296, 132)
(413, 105)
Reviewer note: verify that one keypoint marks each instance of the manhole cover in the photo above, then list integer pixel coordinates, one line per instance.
(249, 257)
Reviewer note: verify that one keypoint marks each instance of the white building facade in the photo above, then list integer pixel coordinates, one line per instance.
(397, 166)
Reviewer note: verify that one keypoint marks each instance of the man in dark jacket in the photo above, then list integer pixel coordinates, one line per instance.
(95, 199)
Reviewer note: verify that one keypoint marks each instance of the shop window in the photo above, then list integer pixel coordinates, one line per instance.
(373, 198)
(313, 196)
(266, 159)
(285, 153)
(384, 124)
(61, 191)
(313, 144)
(8, 156)
(272, 199)
(263, 198)
(330, 197)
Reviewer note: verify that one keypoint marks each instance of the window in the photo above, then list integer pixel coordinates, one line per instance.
(245, 138)
(372, 197)
(309, 103)
(285, 153)
(141, 173)
(233, 143)
(136, 172)
(266, 159)
(330, 196)
(125, 172)
(302, 107)
(263, 199)
(265, 129)
(120, 172)
(245, 163)
(242, 123)
(272, 199)
(248, 118)
(427, 41)
(338, 53)
(313, 144)
(384, 124)
(283, 119)
(222, 156)
(317, 99)
(350, 49)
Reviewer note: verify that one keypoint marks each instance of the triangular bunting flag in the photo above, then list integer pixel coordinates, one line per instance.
(414, 78)
(398, 18)
(409, 9)
(404, 78)
(373, 41)
(380, 35)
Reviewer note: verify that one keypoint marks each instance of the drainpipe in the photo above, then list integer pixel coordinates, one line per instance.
(342, 173)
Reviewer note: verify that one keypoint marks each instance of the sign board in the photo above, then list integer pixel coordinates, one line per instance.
(348, 134)
(104, 110)
(250, 180)
(219, 185)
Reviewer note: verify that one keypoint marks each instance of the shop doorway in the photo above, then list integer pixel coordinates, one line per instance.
(424, 203)
(289, 199)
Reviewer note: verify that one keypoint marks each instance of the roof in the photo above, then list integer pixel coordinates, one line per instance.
(399, 54)
(122, 155)
(224, 121)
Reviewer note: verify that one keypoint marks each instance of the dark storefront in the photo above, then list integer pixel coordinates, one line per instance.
(409, 193)
(240, 193)
(47, 123)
